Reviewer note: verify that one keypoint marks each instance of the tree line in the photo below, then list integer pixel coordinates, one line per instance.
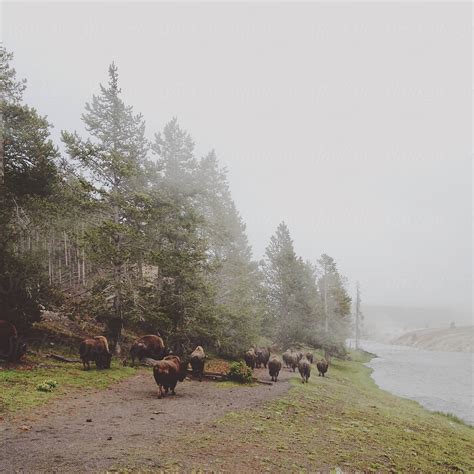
(144, 234)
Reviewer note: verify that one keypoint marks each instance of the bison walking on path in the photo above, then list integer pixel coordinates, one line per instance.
(274, 367)
(11, 347)
(322, 366)
(250, 358)
(96, 350)
(197, 359)
(285, 357)
(168, 372)
(262, 356)
(304, 368)
(150, 346)
(293, 361)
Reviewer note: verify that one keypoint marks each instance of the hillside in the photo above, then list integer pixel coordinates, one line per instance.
(450, 340)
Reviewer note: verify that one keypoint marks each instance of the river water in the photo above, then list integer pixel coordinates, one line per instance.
(440, 381)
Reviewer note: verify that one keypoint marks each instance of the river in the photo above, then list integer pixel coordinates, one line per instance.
(440, 381)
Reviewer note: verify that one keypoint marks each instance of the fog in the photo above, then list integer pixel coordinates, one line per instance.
(351, 122)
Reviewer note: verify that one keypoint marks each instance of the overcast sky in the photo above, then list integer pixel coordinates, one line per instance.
(351, 122)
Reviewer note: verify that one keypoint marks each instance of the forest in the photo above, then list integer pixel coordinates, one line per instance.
(143, 234)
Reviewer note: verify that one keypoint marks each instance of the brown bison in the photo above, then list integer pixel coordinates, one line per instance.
(250, 358)
(147, 346)
(322, 366)
(304, 368)
(310, 357)
(299, 355)
(11, 346)
(286, 356)
(262, 356)
(96, 350)
(293, 361)
(197, 362)
(168, 372)
(274, 367)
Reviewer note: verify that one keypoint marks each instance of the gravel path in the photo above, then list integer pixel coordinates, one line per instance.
(100, 430)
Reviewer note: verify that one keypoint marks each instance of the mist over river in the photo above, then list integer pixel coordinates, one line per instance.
(440, 381)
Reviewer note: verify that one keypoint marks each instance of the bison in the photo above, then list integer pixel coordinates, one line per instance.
(168, 372)
(197, 362)
(96, 350)
(322, 366)
(11, 346)
(286, 356)
(304, 368)
(310, 357)
(262, 356)
(293, 361)
(299, 355)
(274, 367)
(147, 346)
(250, 358)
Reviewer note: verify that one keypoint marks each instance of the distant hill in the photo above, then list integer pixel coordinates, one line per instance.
(450, 340)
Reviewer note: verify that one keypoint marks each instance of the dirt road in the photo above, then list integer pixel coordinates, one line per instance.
(123, 423)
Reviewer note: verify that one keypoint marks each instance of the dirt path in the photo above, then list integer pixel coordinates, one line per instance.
(126, 418)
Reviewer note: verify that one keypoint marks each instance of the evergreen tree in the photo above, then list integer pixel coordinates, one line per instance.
(28, 181)
(176, 163)
(291, 290)
(235, 277)
(337, 305)
(114, 159)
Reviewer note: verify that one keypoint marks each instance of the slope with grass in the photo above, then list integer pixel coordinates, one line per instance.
(441, 339)
(342, 421)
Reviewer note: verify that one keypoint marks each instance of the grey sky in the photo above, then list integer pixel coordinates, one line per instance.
(351, 122)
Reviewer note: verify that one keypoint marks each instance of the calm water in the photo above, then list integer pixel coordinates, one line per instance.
(440, 381)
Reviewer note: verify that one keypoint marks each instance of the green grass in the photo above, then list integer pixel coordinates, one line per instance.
(18, 384)
(341, 421)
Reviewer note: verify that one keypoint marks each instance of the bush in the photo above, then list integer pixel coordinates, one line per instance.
(47, 386)
(239, 372)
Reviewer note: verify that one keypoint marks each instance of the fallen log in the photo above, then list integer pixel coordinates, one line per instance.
(62, 359)
(263, 382)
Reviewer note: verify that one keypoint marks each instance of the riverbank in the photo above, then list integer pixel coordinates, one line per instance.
(341, 421)
(441, 339)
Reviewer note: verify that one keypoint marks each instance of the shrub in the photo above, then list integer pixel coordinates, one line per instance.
(47, 386)
(239, 372)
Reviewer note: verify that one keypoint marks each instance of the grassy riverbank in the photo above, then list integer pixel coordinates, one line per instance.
(342, 421)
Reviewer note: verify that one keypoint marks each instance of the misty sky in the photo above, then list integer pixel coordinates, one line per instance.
(351, 122)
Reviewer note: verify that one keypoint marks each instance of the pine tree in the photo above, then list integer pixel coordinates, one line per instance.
(114, 159)
(291, 290)
(235, 277)
(28, 181)
(176, 163)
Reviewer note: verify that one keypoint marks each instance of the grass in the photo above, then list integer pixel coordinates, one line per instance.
(343, 421)
(18, 384)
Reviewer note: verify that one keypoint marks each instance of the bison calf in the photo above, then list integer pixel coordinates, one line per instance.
(274, 367)
(322, 366)
(304, 368)
(96, 350)
(197, 362)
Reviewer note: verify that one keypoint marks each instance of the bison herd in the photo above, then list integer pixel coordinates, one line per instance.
(255, 357)
(168, 368)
